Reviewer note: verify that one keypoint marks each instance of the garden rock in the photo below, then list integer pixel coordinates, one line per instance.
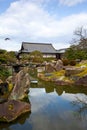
(12, 109)
(21, 86)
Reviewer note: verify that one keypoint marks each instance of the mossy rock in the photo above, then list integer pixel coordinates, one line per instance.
(83, 73)
(12, 110)
(10, 87)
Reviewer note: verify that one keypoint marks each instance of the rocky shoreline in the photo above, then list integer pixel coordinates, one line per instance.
(63, 75)
(16, 103)
(16, 96)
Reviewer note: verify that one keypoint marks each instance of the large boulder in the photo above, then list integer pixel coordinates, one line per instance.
(12, 109)
(59, 65)
(21, 85)
(53, 66)
(82, 81)
(49, 68)
(70, 71)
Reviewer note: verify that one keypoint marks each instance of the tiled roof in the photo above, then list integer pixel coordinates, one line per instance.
(42, 47)
(61, 50)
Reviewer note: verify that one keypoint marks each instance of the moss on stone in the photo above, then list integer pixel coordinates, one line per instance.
(10, 87)
(10, 107)
(58, 74)
(81, 64)
(83, 73)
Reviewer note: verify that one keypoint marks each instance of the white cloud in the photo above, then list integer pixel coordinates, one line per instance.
(9, 45)
(75, 97)
(71, 2)
(28, 21)
(61, 45)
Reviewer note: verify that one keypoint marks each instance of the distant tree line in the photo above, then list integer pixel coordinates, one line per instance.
(7, 57)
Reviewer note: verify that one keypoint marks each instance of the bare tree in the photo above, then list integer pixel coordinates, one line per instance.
(81, 106)
(80, 40)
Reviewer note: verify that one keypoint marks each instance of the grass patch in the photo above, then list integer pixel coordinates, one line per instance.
(58, 73)
(83, 73)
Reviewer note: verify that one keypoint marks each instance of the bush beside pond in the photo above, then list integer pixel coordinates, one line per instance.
(4, 72)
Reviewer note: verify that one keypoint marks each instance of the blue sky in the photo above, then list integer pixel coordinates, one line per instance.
(44, 21)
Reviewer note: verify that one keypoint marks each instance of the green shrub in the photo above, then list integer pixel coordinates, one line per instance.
(7, 57)
(48, 59)
(2, 51)
(72, 62)
(4, 73)
(36, 56)
(3, 60)
(37, 59)
(65, 62)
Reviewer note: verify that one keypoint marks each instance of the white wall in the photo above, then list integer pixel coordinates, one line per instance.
(49, 55)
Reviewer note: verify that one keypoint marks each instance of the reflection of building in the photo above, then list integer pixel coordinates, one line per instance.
(59, 90)
(45, 48)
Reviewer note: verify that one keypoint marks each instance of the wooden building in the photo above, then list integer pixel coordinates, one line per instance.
(45, 48)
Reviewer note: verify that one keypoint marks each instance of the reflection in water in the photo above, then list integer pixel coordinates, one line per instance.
(59, 90)
(51, 87)
(50, 111)
(57, 112)
(19, 121)
(80, 103)
(53, 108)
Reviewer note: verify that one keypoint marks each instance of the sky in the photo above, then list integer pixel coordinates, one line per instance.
(43, 21)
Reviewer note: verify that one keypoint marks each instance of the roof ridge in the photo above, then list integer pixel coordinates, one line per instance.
(37, 43)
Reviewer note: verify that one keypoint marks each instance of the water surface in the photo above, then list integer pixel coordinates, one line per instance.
(53, 108)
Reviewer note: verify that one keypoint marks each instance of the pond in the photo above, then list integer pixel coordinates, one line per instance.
(53, 108)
